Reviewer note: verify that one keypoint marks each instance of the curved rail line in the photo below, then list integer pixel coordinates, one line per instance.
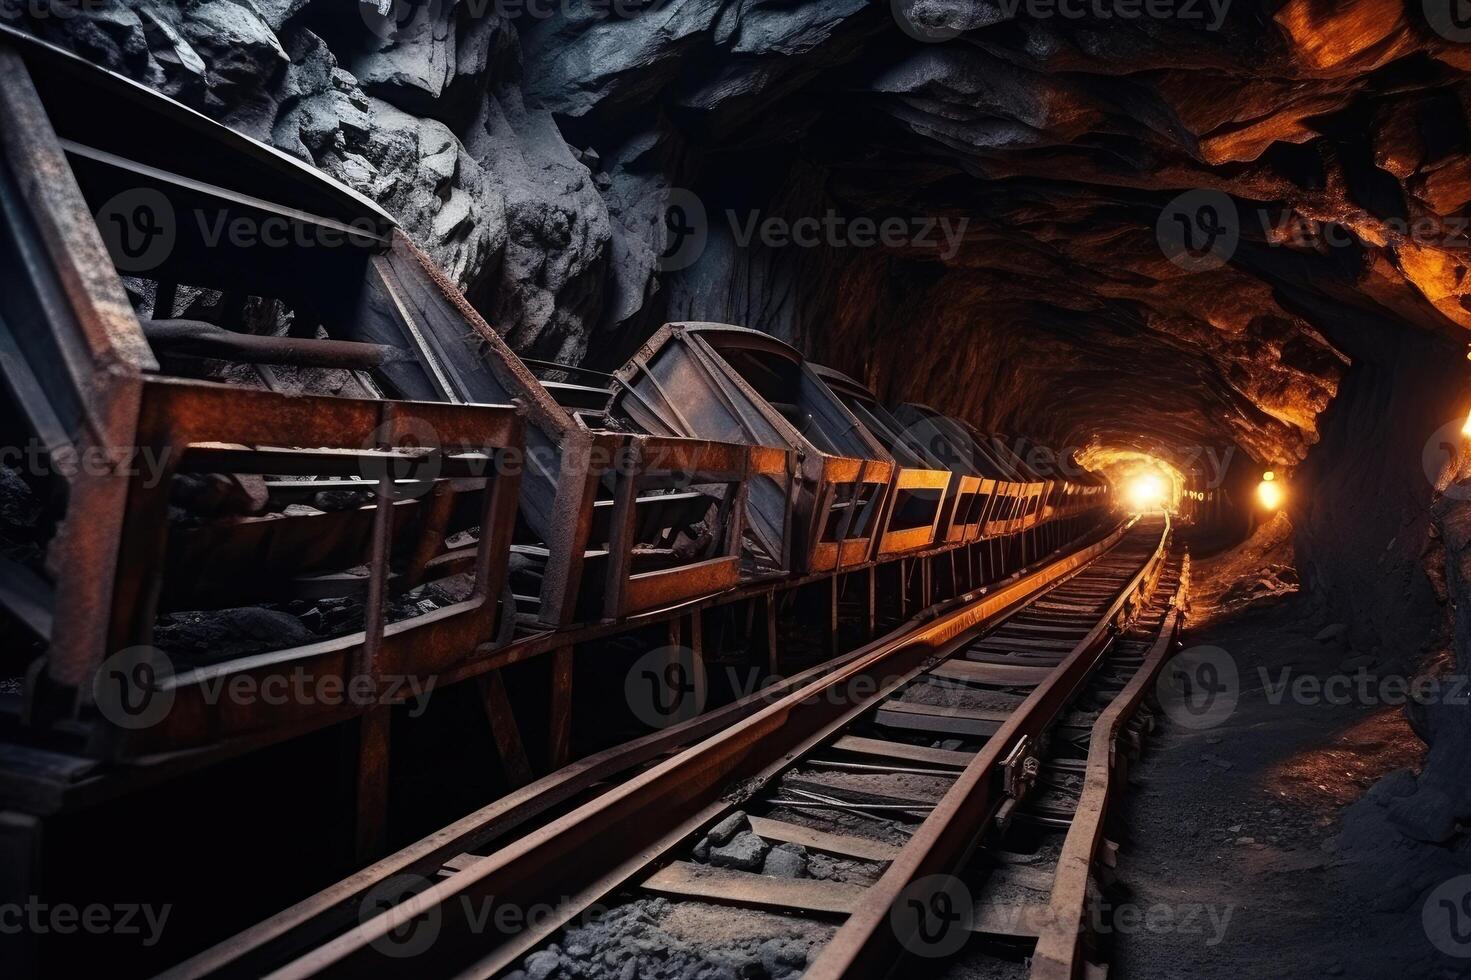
(896, 765)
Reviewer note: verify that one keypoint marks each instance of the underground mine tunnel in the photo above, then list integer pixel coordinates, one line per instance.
(716, 489)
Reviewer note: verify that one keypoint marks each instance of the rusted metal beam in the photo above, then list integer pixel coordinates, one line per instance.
(371, 828)
(200, 339)
(866, 945)
(570, 856)
(177, 415)
(337, 907)
(1058, 953)
(504, 730)
(559, 739)
(88, 389)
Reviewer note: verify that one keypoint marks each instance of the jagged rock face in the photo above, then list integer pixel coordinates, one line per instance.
(590, 168)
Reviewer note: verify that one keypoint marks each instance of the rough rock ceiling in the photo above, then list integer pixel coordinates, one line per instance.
(535, 156)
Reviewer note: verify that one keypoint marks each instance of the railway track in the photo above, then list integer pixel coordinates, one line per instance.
(926, 798)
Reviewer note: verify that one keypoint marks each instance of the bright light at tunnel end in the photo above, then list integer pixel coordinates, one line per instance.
(1147, 491)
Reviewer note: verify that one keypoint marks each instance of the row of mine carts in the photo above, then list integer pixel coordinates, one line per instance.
(446, 497)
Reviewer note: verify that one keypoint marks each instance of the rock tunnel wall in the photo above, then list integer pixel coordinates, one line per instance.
(1232, 236)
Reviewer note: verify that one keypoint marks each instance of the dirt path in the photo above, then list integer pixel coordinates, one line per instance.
(1263, 826)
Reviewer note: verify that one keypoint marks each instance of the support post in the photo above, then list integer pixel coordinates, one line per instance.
(903, 566)
(504, 730)
(870, 603)
(20, 864)
(372, 784)
(768, 619)
(831, 640)
(559, 739)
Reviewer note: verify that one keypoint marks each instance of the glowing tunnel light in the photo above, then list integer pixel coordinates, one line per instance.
(1269, 491)
(1147, 492)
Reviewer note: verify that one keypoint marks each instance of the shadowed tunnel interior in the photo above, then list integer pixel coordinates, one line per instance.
(1193, 245)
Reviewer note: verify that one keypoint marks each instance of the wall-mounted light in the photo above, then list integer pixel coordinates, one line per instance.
(1269, 491)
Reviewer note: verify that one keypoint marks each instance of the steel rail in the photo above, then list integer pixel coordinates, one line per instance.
(1058, 954)
(591, 851)
(867, 945)
(332, 910)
